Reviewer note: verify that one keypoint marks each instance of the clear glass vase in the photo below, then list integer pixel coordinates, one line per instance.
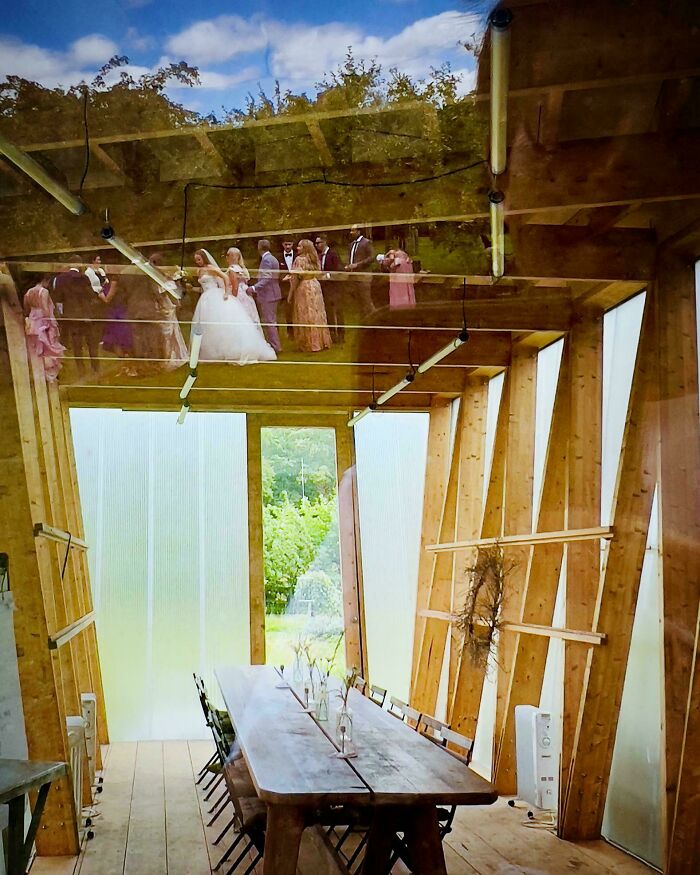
(322, 705)
(298, 670)
(344, 732)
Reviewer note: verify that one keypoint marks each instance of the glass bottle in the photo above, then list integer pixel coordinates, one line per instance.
(322, 707)
(343, 731)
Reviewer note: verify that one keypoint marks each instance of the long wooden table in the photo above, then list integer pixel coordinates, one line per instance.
(398, 772)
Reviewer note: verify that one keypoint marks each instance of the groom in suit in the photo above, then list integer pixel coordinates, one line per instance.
(360, 260)
(268, 294)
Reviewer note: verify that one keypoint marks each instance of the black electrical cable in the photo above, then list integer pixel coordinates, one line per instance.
(300, 182)
(65, 558)
(86, 129)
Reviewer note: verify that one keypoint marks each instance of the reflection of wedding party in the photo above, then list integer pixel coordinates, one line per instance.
(301, 297)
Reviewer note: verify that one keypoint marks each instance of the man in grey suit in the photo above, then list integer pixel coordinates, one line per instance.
(361, 259)
(268, 294)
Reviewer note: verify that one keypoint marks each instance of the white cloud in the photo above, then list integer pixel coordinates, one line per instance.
(137, 41)
(92, 50)
(422, 44)
(218, 39)
(49, 68)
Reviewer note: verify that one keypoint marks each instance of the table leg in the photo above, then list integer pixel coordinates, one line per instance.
(423, 840)
(380, 842)
(16, 836)
(285, 824)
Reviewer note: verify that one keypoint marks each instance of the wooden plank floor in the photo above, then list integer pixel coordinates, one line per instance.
(151, 820)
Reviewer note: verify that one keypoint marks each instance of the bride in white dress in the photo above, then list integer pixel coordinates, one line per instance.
(228, 332)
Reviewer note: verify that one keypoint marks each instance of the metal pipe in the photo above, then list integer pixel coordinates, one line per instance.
(497, 210)
(138, 260)
(500, 55)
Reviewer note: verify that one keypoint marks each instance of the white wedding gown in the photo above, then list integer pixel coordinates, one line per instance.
(228, 332)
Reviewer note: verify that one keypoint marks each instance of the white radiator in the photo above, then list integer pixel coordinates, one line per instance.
(89, 705)
(76, 748)
(537, 762)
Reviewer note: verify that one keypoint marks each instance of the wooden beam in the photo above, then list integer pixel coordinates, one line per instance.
(531, 539)
(69, 479)
(679, 501)
(437, 466)
(63, 636)
(579, 253)
(212, 153)
(518, 514)
(579, 635)
(39, 672)
(583, 509)
(108, 162)
(425, 689)
(319, 139)
(43, 530)
(589, 770)
(256, 562)
(464, 709)
(526, 672)
(470, 504)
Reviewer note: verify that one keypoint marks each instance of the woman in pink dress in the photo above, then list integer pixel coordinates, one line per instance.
(41, 329)
(401, 291)
(308, 310)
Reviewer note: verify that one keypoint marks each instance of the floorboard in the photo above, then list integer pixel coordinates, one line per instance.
(151, 820)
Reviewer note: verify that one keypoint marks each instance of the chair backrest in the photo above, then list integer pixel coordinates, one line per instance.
(377, 695)
(404, 712)
(360, 684)
(432, 728)
(396, 707)
(458, 745)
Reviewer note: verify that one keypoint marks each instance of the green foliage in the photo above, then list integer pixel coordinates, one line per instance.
(316, 590)
(292, 536)
(297, 462)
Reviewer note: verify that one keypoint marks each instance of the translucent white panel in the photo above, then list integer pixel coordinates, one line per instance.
(495, 390)
(621, 327)
(548, 362)
(552, 694)
(633, 806)
(165, 510)
(391, 454)
(482, 756)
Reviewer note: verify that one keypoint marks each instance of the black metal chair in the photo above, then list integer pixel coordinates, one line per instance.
(377, 695)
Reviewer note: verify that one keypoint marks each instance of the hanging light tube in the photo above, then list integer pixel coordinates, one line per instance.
(498, 258)
(138, 260)
(189, 383)
(461, 338)
(183, 412)
(500, 55)
(36, 172)
(407, 380)
(361, 415)
(195, 345)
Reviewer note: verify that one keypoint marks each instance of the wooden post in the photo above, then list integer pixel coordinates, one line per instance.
(517, 516)
(679, 501)
(436, 471)
(470, 502)
(542, 581)
(584, 496)
(256, 561)
(350, 551)
(469, 681)
(424, 692)
(39, 671)
(589, 768)
(69, 477)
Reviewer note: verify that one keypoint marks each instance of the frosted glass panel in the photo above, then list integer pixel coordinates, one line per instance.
(165, 511)
(621, 328)
(548, 362)
(391, 453)
(633, 808)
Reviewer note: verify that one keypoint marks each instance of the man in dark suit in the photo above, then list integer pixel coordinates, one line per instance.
(80, 305)
(332, 287)
(286, 260)
(361, 261)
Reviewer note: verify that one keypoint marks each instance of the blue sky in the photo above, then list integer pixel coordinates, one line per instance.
(235, 46)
